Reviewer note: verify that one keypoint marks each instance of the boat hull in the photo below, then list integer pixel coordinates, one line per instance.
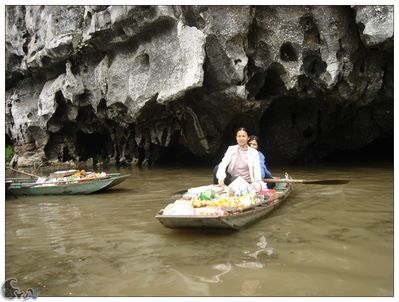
(84, 187)
(235, 220)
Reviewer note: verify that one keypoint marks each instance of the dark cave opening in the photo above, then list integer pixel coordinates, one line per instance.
(314, 66)
(66, 155)
(288, 52)
(273, 84)
(177, 153)
(91, 145)
(380, 150)
(311, 32)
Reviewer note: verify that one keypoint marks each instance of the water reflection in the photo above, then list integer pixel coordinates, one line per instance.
(258, 263)
(224, 268)
(187, 284)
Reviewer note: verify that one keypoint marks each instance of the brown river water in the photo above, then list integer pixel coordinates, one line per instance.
(324, 240)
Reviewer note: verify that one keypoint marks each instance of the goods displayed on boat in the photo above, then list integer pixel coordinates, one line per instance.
(70, 177)
(213, 200)
(233, 207)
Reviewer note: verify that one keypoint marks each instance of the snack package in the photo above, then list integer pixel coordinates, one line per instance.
(239, 186)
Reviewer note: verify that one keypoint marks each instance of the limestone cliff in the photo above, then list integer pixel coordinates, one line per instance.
(128, 83)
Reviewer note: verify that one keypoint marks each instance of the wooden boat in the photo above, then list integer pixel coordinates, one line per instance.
(236, 219)
(28, 186)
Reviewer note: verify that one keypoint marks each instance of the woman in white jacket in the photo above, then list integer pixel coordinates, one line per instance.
(239, 160)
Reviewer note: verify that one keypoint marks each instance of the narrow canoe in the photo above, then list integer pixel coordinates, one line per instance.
(30, 187)
(234, 220)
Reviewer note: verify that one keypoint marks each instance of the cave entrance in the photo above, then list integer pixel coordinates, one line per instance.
(380, 150)
(176, 153)
(92, 145)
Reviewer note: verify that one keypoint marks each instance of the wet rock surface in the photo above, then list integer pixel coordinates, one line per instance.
(140, 84)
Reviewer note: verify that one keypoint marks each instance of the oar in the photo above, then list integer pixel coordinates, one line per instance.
(23, 172)
(309, 181)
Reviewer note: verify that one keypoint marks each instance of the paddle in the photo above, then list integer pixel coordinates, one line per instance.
(308, 181)
(23, 172)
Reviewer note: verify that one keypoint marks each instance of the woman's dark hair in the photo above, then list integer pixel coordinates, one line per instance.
(242, 129)
(254, 138)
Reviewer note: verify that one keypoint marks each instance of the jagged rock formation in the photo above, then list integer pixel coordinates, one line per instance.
(127, 84)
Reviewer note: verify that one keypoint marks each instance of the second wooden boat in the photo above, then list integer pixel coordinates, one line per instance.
(24, 186)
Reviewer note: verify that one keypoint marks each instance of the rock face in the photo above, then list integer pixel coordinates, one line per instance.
(133, 84)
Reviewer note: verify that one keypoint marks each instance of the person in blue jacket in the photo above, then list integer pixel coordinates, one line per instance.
(253, 142)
